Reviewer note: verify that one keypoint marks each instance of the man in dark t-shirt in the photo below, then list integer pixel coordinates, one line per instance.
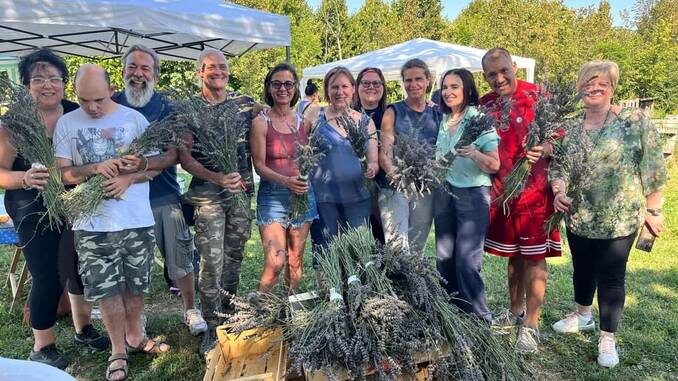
(141, 69)
(222, 226)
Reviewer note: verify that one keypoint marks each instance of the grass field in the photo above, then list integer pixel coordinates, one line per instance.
(647, 339)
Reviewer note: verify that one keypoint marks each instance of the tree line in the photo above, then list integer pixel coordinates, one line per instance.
(558, 37)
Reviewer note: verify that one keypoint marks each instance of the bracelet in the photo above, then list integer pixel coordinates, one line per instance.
(146, 166)
(654, 211)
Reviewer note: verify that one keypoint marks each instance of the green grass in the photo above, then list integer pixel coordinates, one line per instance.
(647, 338)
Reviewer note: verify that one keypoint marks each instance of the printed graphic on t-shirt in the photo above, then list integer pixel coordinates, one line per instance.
(96, 145)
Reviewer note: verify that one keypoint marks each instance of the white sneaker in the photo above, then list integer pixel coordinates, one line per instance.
(528, 340)
(574, 323)
(195, 322)
(607, 352)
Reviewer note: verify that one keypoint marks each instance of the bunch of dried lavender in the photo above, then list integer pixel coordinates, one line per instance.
(28, 135)
(258, 310)
(220, 134)
(325, 344)
(308, 156)
(416, 172)
(572, 159)
(473, 351)
(556, 102)
(84, 200)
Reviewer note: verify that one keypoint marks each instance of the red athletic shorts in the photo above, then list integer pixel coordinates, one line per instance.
(520, 234)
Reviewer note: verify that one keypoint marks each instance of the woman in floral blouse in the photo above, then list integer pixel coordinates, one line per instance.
(609, 181)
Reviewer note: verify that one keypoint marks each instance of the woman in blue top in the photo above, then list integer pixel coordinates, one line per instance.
(407, 222)
(462, 214)
(341, 196)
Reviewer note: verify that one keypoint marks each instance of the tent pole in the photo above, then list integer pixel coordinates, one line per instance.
(288, 54)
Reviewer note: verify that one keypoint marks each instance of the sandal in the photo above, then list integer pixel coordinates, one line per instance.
(157, 347)
(124, 369)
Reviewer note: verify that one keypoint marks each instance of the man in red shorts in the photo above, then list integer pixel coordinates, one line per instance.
(517, 228)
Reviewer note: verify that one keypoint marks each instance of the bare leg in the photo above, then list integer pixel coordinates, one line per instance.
(134, 305)
(516, 282)
(273, 239)
(295, 252)
(113, 314)
(536, 274)
(81, 311)
(43, 338)
(187, 287)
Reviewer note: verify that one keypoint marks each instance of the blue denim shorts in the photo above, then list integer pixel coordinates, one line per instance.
(273, 205)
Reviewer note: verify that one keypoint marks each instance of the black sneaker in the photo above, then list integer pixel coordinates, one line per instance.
(209, 338)
(49, 355)
(92, 338)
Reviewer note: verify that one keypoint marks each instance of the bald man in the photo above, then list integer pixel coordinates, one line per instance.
(115, 246)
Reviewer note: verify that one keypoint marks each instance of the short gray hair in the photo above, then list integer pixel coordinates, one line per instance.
(593, 69)
(208, 52)
(495, 53)
(147, 50)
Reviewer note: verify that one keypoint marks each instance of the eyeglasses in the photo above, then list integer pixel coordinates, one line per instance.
(289, 85)
(368, 84)
(39, 81)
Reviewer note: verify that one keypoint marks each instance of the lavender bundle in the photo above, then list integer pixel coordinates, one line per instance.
(416, 172)
(555, 103)
(325, 343)
(265, 311)
(84, 200)
(27, 133)
(308, 157)
(219, 131)
(572, 160)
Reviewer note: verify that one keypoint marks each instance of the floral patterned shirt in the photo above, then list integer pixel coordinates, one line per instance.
(623, 162)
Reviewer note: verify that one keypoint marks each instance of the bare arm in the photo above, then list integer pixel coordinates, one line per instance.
(8, 179)
(387, 140)
(654, 201)
(372, 151)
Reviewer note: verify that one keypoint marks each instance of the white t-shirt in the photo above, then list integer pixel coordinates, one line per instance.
(84, 140)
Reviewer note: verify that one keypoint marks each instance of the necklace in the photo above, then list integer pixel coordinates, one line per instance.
(607, 116)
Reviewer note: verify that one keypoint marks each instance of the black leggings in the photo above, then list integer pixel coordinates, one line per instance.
(50, 257)
(601, 264)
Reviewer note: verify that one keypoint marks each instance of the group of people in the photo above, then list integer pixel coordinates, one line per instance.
(107, 258)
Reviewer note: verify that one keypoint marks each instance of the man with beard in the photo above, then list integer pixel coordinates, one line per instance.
(222, 226)
(518, 232)
(141, 70)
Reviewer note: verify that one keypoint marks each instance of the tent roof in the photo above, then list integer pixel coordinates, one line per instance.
(439, 56)
(176, 29)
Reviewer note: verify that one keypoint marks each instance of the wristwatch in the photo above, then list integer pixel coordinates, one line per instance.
(654, 211)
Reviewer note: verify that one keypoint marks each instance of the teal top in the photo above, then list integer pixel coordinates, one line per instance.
(464, 172)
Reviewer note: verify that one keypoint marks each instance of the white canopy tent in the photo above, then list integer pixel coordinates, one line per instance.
(176, 29)
(439, 56)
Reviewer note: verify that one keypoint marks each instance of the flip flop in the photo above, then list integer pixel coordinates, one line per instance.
(109, 370)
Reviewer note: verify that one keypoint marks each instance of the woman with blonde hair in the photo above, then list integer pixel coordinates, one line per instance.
(620, 152)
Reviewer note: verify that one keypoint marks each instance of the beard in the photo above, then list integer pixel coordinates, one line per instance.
(139, 97)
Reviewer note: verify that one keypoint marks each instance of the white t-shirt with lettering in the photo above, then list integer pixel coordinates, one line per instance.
(84, 140)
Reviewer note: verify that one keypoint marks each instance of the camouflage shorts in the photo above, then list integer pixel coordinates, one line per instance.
(112, 262)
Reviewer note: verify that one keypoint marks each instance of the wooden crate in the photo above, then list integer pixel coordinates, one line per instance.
(423, 359)
(246, 357)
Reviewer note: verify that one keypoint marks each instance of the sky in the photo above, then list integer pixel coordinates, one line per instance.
(453, 7)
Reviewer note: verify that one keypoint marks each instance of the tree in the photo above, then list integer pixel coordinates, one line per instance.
(333, 14)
